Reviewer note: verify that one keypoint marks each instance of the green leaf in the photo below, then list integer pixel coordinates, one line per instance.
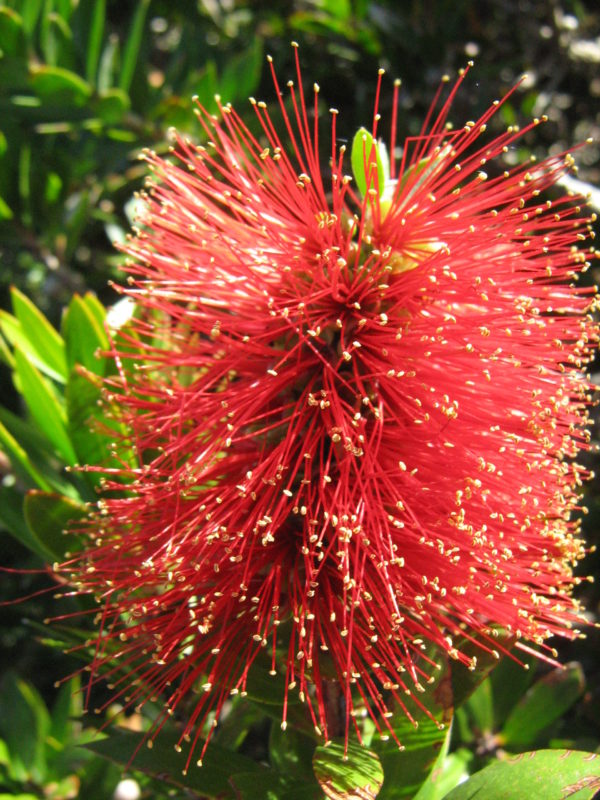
(95, 40)
(44, 407)
(15, 334)
(59, 86)
(423, 742)
(12, 519)
(547, 774)
(510, 680)
(24, 724)
(544, 703)
(448, 772)
(465, 680)
(12, 39)
(84, 337)
(5, 210)
(20, 460)
(48, 516)
(345, 776)
(57, 41)
(290, 751)
(30, 11)
(271, 785)
(67, 707)
(241, 74)
(133, 44)
(44, 339)
(84, 417)
(368, 166)
(111, 106)
(212, 779)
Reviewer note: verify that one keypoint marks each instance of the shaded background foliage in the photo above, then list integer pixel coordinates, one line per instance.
(84, 86)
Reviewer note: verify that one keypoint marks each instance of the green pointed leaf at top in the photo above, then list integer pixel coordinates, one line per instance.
(48, 516)
(212, 779)
(84, 337)
(547, 774)
(368, 165)
(544, 703)
(353, 775)
(44, 338)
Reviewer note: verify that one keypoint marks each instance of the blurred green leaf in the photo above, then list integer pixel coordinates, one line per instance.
(133, 44)
(111, 105)
(56, 85)
(67, 708)
(344, 772)
(48, 516)
(44, 407)
(12, 38)
(24, 724)
(241, 74)
(94, 43)
(544, 703)
(57, 41)
(548, 774)
(30, 12)
(13, 331)
(44, 339)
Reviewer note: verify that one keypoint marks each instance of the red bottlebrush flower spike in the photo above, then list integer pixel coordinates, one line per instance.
(354, 419)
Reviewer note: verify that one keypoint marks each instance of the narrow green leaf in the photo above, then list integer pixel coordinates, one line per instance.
(67, 708)
(30, 12)
(45, 340)
(107, 68)
(94, 42)
(347, 775)
(544, 703)
(48, 516)
(547, 774)
(44, 407)
(20, 460)
(57, 41)
(212, 779)
(12, 39)
(84, 337)
(368, 166)
(133, 44)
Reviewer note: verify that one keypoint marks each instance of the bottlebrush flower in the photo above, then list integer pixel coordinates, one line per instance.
(354, 418)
